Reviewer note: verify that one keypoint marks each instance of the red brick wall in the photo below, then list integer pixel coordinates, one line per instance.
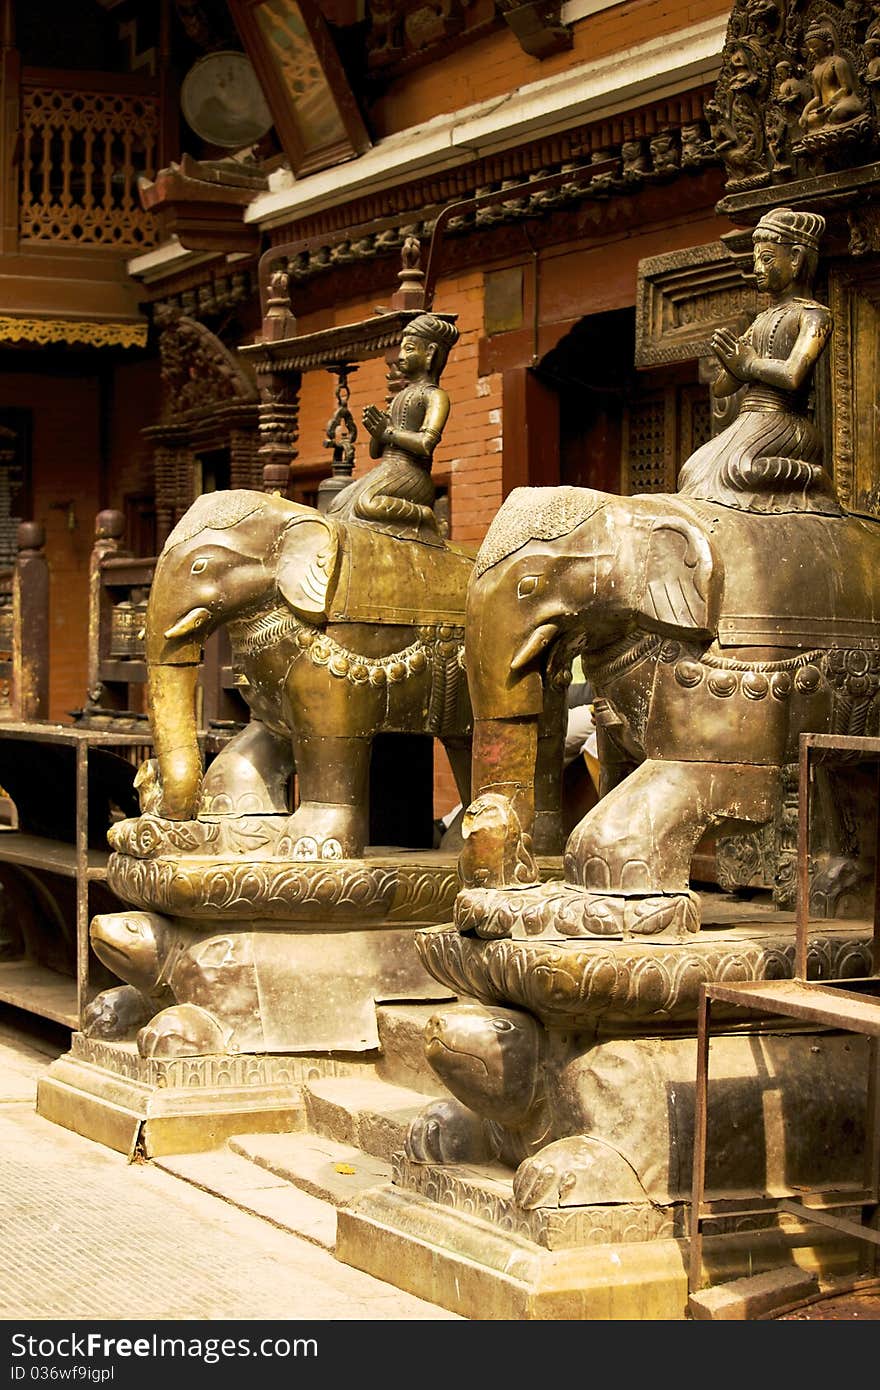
(497, 65)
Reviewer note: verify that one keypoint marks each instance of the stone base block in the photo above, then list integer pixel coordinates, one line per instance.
(108, 1093)
(482, 1272)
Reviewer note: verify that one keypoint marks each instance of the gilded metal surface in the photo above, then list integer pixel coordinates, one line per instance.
(707, 660)
(265, 878)
(593, 1123)
(613, 985)
(342, 626)
(247, 985)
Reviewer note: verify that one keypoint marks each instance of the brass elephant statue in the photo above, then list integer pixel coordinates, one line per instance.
(713, 636)
(339, 631)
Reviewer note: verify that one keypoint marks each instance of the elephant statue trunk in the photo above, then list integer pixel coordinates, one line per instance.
(172, 708)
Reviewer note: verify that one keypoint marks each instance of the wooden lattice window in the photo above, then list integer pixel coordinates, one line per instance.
(15, 437)
(82, 155)
(649, 432)
(661, 428)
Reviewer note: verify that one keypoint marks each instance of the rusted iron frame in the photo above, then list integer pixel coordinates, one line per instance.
(833, 1006)
(286, 251)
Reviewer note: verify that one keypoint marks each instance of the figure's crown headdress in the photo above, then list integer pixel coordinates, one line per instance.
(793, 228)
(435, 329)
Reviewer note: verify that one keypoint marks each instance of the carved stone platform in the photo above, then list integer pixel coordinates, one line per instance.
(598, 1228)
(108, 1092)
(482, 1269)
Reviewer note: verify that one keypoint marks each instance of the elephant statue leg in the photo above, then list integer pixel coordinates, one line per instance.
(336, 824)
(250, 774)
(632, 852)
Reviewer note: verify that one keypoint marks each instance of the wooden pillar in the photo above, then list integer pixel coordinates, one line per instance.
(109, 528)
(30, 624)
(279, 392)
(243, 467)
(279, 428)
(163, 467)
(186, 487)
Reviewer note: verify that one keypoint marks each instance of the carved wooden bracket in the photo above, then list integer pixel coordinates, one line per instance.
(203, 203)
(537, 25)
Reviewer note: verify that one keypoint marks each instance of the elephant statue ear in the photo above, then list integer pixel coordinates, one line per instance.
(307, 563)
(683, 578)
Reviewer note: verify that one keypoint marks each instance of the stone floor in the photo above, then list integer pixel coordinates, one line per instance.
(87, 1235)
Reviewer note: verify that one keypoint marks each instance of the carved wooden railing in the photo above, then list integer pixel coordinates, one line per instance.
(86, 138)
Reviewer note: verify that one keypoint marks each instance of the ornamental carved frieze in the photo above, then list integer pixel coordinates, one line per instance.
(576, 983)
(198, 371)
(799, 90)
(657, 146)
(404, 33)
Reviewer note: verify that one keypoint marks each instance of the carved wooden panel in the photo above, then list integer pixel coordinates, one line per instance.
(661, 428)
(854, 295)
(683, 297)
(797, 95)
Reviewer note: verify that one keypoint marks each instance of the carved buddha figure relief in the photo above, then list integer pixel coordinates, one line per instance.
(835, 101)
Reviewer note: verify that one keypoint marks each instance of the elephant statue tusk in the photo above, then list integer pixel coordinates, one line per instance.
(532, 647)
(190, 623)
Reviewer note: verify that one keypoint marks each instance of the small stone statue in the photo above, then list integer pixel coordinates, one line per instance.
(770, 457)
(399, 493)
(835, 103)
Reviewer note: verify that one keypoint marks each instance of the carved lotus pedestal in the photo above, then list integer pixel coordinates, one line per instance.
(557, 1182)
(245, 972)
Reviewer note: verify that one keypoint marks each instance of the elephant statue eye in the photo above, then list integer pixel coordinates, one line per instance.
(502, 1025)
(527, 585)
(199, 565)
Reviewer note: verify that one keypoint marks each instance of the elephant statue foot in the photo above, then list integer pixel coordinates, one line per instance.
(556, 911)
(574, 1172)
(184, 1030)
(115, 1013)
(447, 1132)
(322, 830)
(626, 864)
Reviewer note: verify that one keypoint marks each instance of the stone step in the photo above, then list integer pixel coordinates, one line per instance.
(402, 1058)
(370, 1115)
(314, 1165)
(255, 1188)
